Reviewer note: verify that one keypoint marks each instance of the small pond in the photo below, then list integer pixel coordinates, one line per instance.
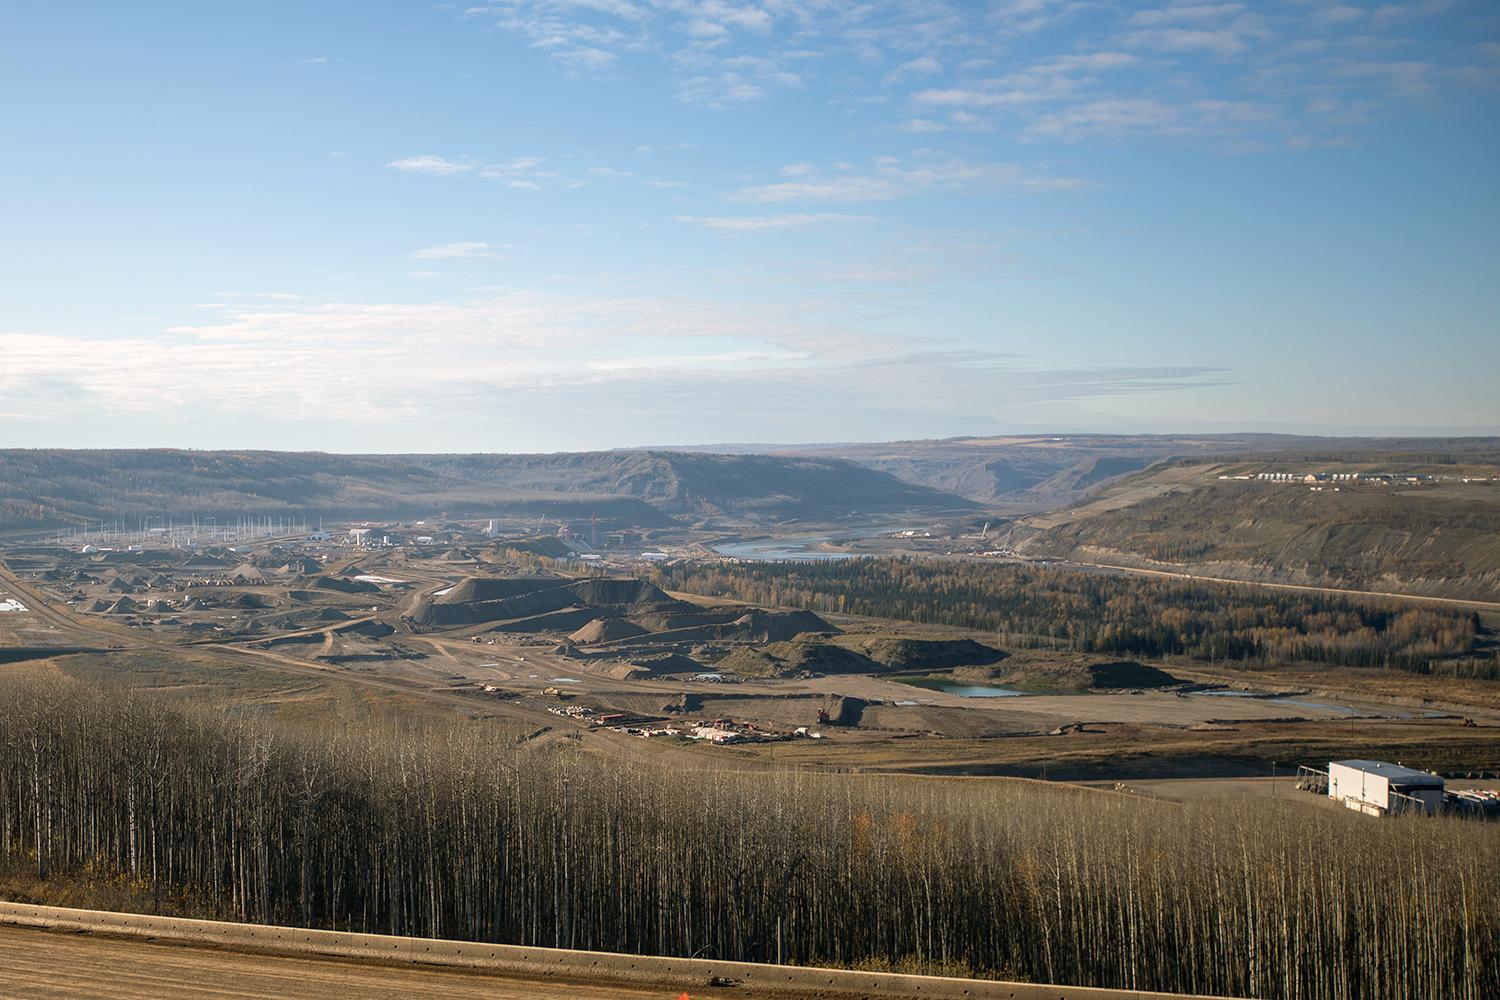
(781, 550)
(962, 690)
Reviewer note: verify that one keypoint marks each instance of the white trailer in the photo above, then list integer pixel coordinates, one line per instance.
(1376, 788)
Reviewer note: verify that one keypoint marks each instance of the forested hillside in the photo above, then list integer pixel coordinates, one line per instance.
(1096, 612)
(456, 832)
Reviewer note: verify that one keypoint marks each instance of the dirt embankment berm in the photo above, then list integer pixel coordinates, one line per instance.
(540, 965)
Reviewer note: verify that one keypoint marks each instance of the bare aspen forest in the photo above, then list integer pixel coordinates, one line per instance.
(452, 830)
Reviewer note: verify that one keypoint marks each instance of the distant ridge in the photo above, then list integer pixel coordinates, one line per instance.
(48, 486)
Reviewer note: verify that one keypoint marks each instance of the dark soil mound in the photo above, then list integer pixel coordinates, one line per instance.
(342, 586)
(783, 658)
(1129, 674)
(774, 626)
(607, 630)
(550, 547)
(477, 588)
(247, 602)
(663, 621)
(930, 654)
(550, 621)
(666, 663)
(624, 592)
(749, 662)
(369, 629)
(1082, 673)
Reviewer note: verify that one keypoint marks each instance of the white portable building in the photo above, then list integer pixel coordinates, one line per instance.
(1376, 788)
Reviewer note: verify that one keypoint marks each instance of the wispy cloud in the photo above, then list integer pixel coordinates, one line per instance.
(438, 166)
(529, 173)
(1121, 118)
(455, 251)
(727, 53)
(769, 223)
(921, 126)
(895, 178)
(451, 368)
(923, 66)
(958, 59)
(1224, 42)
(1049, 80)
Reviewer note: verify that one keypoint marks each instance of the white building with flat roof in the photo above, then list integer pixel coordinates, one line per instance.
(1376, 788)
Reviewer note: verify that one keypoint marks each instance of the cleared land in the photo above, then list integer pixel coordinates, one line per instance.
(317, 630)
(51, 965)
(209, 960)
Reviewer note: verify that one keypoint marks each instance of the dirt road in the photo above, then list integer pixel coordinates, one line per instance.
(1270, 585)
(105, 633)
(51, 965)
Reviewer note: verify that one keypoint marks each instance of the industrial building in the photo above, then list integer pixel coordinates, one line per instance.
(1376, 788)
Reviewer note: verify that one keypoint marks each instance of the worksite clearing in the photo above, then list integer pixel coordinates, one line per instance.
(593, 655)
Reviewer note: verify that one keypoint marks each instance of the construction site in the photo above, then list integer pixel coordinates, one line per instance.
(567, 649)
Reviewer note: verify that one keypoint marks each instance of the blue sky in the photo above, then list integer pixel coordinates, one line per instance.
(518, 226)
